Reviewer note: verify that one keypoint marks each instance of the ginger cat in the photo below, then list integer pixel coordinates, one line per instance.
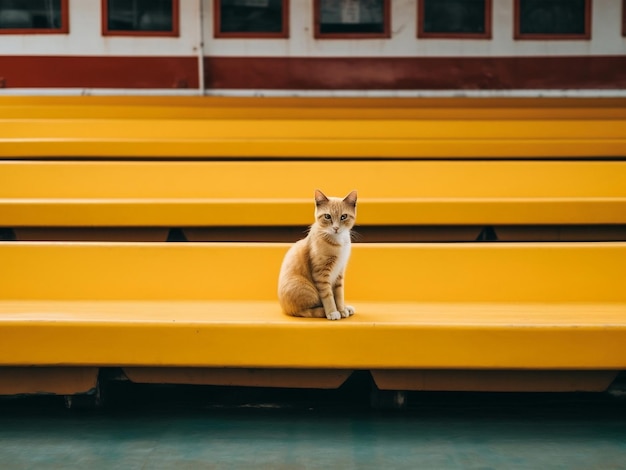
(311, 277)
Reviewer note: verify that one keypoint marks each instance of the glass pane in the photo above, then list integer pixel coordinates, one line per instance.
(30, 14)
(251, 16)
(454, 16)
(140, 15)
(352, 16)
(552, 16)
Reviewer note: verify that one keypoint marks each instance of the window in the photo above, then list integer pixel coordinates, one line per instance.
(33, 16)
(469, 19)
(552, 19)
(140, 17)
(352, 19)
(251, 18)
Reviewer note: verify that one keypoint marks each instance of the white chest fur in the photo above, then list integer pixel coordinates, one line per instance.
(343, 254)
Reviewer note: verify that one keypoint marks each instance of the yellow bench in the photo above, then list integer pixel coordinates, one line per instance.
(429, 317)
(279, 193)
(161, 107)
(254, 163)
(507, 308)
(287, 128)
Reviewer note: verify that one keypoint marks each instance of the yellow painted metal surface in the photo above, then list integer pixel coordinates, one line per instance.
(294, 108)
(311, 139)
(419, 273)
(196, 193)
(484, 306)
(315, 128)
(255, 334)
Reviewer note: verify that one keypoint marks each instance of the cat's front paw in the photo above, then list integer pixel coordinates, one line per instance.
(348, 311)
(333, 316)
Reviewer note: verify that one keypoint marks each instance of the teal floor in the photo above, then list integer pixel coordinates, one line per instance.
(178, 430)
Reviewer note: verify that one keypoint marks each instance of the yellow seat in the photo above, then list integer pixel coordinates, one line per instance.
(290, 128)
(476, 316)
(419, 306)
(279, 193)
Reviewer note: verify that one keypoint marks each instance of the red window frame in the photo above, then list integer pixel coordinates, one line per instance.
(384, 35)
(175, 32)
(543, 36)
(64, 29)
(432, 35)
(217, 15)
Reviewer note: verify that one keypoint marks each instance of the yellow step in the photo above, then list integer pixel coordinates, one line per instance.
(148, 193)
(282, 138)
(444, 306)
(163, 107)
(311, 128)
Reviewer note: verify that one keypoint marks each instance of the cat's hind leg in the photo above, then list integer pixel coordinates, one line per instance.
(299, 298)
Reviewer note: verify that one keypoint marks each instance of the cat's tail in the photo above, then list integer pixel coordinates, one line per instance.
(314, 312)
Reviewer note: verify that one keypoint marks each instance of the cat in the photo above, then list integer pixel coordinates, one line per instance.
(311, 280)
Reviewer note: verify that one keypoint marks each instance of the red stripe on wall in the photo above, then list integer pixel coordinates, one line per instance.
(98, 72)
(299, 73)
(468, 73)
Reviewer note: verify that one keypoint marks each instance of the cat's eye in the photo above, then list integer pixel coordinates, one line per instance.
(344, 216)
(327, 216)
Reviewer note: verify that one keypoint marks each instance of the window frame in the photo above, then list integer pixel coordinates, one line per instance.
(421, 7)
(175, 32)
(386, 34)
(217, 33)
(64, 29)
(518, 35)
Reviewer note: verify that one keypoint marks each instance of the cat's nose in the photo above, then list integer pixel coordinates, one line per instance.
(336, 229)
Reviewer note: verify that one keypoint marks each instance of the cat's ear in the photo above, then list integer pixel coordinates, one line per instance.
(350, 198)
(320, 198)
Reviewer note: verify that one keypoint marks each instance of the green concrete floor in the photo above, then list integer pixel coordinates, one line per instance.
(193, 428)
